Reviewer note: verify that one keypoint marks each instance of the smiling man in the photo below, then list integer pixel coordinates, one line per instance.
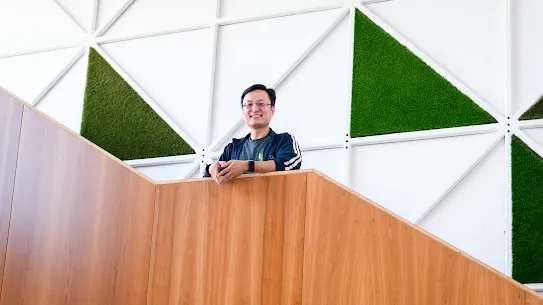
(260, 151)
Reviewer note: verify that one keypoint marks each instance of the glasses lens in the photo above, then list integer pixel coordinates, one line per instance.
(260, 105)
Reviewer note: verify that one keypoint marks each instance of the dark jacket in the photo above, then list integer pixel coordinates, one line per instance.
(282, 148)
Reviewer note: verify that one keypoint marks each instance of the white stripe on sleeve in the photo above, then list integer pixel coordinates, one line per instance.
(296, 149)
(292, 163)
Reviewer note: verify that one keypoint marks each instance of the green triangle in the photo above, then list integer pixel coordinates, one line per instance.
(117, 119)
(535, 112)
(394, 91)
(527, 195)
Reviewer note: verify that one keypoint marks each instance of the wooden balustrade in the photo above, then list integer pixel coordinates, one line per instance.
(11, 112)
(81, 222)
(78, 226)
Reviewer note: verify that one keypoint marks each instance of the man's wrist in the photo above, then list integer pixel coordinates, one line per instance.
(250, 166)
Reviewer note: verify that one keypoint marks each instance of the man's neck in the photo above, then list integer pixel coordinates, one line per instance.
(259, 133)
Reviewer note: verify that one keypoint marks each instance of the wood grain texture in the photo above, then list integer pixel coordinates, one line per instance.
(81, 223)
(87, 229)
(532, 298)
(240, 243)
(482, 285)
(357, 253)
(11, 113)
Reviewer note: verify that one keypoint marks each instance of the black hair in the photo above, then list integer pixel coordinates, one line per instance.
(270, 91)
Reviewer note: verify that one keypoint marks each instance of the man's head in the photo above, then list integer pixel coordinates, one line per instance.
(258, 104)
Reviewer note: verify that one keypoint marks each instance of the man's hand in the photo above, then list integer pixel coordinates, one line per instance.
(231, 169)
(215, 168)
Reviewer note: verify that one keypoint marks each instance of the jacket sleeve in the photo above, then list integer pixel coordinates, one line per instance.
(225, 156)
(289, 156)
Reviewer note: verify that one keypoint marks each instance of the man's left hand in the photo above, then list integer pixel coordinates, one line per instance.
(232, 169)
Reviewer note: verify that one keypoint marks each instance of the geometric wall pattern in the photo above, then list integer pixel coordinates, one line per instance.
(310, 57)
(535, 112)
(395, 91)
(118, 120)
(527, 189)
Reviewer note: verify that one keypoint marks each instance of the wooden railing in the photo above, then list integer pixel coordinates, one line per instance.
(77, 226)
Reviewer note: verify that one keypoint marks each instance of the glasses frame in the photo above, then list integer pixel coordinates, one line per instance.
(252, 105)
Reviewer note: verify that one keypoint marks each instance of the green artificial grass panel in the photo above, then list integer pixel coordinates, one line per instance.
(527, 192)
(535, 112)
(394, 91)
(117, 119)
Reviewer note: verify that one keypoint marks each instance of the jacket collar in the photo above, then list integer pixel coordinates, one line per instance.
(240, 141)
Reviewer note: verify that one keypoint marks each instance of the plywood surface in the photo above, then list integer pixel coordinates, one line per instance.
(11, 113)
(236, 244)
(356, 253)
(84, 228)
(81, 223)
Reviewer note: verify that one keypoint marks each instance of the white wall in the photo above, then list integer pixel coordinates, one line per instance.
(453, 183)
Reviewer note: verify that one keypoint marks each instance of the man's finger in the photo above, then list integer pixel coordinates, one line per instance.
(226, 177)
(214, 170)
(223, 172)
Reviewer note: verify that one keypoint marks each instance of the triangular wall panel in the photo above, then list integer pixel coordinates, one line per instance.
(117, 119)
(408, 177)
(471, 217)
(395, 91)
(473, 51)
(175, 71)
(64, 102)
(535, 112)
(150, 16)
(30, 25)
(81, 10)
(26, 76)
(527, 191)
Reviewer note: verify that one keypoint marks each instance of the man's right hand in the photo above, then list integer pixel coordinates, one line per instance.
(215, 169)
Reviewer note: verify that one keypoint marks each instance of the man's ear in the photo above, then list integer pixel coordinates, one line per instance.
(273, 110)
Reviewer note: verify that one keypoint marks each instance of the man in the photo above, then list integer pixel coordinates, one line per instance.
(260, 151)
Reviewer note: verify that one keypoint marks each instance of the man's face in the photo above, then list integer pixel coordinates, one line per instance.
(257, 110)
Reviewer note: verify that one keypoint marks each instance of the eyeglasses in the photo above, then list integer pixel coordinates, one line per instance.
(249, 106)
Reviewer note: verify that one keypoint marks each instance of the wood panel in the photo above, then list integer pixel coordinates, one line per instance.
(241, 243)
(533, 298)
(357, 253)
(81, 223)
(11, 113)
(87, 229)
(482, 285)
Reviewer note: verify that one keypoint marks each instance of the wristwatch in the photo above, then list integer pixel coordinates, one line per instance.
(251, 166)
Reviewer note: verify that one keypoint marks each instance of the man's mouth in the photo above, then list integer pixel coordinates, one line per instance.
(254, 116)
